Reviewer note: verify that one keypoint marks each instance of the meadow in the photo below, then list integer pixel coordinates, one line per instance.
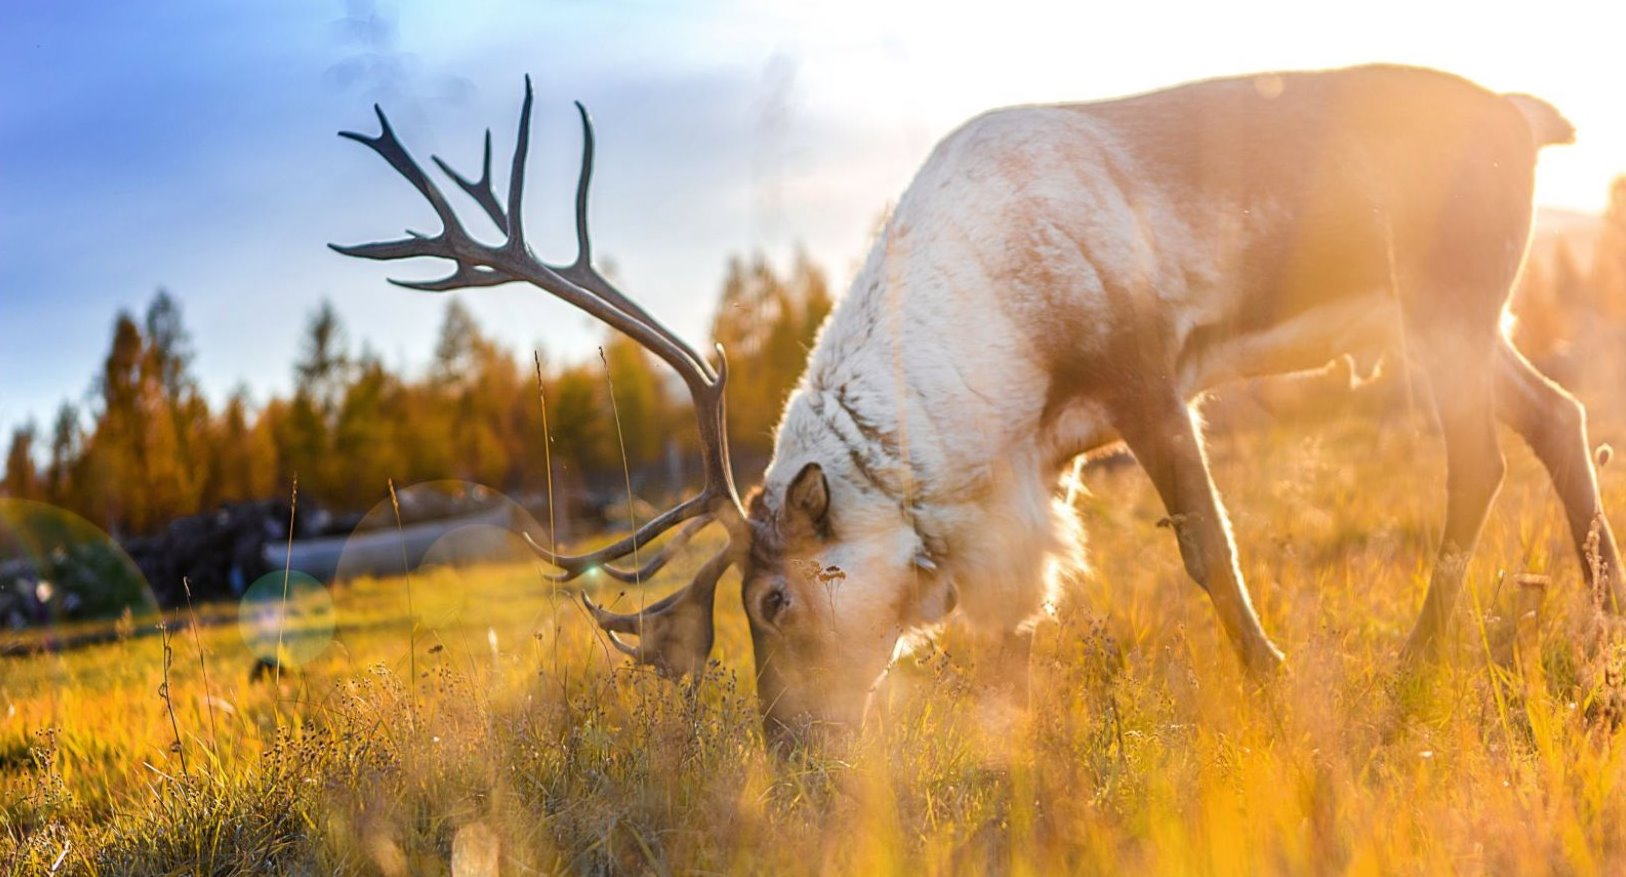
(472, 721)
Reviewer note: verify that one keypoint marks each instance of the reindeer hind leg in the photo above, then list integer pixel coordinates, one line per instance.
(1458, 360)
(1553, 424)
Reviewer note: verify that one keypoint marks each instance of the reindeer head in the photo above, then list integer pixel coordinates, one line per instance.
(820, 641)
(835, 574)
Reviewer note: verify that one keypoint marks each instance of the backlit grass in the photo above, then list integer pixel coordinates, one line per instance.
(524, 745)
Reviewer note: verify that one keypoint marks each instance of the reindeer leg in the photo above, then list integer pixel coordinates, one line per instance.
(1553, 424)
(1164, 438)
(1461, 379)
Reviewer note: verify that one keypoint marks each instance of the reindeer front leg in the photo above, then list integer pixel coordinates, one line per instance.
(1163, 435)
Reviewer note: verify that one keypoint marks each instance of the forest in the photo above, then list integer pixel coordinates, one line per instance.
(148, 447)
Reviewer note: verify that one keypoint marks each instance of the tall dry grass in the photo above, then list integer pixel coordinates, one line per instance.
(522, 744)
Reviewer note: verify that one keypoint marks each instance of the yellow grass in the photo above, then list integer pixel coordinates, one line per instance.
(526, 746)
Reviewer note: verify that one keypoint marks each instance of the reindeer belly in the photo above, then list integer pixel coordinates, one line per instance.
(1363, 326)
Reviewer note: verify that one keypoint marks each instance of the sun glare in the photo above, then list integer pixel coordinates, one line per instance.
(1211, 482)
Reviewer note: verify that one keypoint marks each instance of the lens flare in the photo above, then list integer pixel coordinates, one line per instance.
(444, 528)
(449, 562)
(288, 619)
(432, 513)
(56, 566)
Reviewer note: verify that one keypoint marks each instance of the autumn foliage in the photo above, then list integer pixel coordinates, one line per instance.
(148, 446)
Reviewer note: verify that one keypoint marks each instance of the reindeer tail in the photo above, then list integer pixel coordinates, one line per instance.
(1547, 124)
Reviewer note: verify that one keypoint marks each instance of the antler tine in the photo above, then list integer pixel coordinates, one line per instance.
(675, 634)
(574, 565)
(463, 277)
(480, 190)
(582, 273)
(661, 558)
(584, 242)
(516, 186)
(389, 146)
(629, 623)
(622, 646)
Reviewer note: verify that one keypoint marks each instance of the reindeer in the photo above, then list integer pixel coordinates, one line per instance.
(1057, 279)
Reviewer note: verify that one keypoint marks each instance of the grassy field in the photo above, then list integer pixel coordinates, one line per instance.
(498, 734)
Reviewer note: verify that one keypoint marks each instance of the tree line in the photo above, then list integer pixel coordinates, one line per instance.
(146, 446)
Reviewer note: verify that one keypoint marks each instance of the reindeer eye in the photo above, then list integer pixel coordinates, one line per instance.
(772, 603)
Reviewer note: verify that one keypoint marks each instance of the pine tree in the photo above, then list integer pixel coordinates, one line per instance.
(638, 399)
(65, 452)
(177, 447)
(366, 440)
(767, 325)
(244, 467)
(323, 368)
(321, 378)
(22, 480)
(455, 349)
(813, 291)
(170, 345)
(582, 435)
(115, 458)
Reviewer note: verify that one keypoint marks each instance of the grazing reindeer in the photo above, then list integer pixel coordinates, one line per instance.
(1058, 278)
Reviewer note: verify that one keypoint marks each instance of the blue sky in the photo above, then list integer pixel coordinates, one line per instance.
(190, 144)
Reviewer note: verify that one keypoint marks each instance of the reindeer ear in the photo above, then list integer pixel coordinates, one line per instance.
(809, 496)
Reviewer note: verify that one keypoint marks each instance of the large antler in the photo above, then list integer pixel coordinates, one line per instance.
(675, 634)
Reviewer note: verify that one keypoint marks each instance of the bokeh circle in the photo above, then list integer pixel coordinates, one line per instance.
(287, 619)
